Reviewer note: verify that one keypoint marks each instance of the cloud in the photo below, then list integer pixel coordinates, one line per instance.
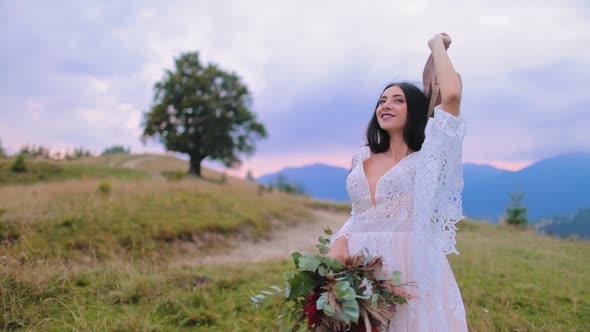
(83, 74)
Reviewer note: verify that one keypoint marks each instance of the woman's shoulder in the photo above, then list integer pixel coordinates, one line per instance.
(363, 151)
(360, 153)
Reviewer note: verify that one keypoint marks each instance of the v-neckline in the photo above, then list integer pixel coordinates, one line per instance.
(363, 158)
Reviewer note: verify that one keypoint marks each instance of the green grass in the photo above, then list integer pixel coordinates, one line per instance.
(75, 257)
(51, 171)
(517, 280)
(140, 219)
(510, 281)
(146, 297)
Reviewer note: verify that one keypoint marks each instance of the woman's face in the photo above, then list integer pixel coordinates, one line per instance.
(392, 109)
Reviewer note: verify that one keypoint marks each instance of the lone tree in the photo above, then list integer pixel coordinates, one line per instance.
(250, 177)
(517, 212)
(203, 111)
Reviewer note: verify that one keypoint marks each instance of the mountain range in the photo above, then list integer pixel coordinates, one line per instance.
(554, 186)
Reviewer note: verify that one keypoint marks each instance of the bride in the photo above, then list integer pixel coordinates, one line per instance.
(405, 186)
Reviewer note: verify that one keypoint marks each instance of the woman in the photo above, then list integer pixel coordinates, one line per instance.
(405, 187)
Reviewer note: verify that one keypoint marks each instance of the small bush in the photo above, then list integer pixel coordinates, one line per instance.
(8, 232)
(104, 187)
(19, 164)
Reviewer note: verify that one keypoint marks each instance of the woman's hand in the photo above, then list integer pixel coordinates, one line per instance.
(444, 37)
(339, 250)
(338, 256)
(446, 76)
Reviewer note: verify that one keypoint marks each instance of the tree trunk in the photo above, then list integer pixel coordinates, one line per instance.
(195, 166)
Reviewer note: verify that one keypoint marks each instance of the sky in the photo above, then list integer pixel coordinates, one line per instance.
(81, 73)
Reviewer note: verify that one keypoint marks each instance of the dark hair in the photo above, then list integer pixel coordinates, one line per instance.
(417, 103)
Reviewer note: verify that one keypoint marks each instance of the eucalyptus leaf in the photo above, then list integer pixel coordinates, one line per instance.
(309, 262)
(350, 311)
(328, 230)
(329, 309)
(344, 292)
(323, 249)
(295, 255)
(333, 263)
(321, 301)
(277, 288)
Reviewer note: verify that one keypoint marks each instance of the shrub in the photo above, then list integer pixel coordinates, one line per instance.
(517, 213)
(19, 164)
(104, 187)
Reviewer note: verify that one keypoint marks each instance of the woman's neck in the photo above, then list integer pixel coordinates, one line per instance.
(398, 148)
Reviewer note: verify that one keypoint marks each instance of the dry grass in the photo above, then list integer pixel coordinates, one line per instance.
(74, 220)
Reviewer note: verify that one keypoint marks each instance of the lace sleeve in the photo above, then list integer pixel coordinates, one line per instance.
(345, 230)
(443, 150)
(357, 156)
(445, 132)
(437, 208)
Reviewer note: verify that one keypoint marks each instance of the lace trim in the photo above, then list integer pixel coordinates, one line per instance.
(443, 146)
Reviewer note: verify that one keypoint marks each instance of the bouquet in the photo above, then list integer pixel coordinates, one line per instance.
(352, 295)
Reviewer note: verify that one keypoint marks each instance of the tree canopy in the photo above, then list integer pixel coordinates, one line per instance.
(116, 149)
(203, 111)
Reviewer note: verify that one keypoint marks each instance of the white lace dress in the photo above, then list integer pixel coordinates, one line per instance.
(389, 229)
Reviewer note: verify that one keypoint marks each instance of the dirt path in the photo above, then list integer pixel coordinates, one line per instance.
(302, 237)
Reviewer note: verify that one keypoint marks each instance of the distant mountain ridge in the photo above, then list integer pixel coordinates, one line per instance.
(554, 186)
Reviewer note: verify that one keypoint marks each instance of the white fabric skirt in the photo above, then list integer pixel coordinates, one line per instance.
(397, 251)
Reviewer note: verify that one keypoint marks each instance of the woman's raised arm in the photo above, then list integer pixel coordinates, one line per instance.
(448, 81)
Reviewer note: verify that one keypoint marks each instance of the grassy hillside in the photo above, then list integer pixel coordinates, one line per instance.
(75, 257)
(51, 171)
(140, 219)
(151, 163)
(117, 166)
